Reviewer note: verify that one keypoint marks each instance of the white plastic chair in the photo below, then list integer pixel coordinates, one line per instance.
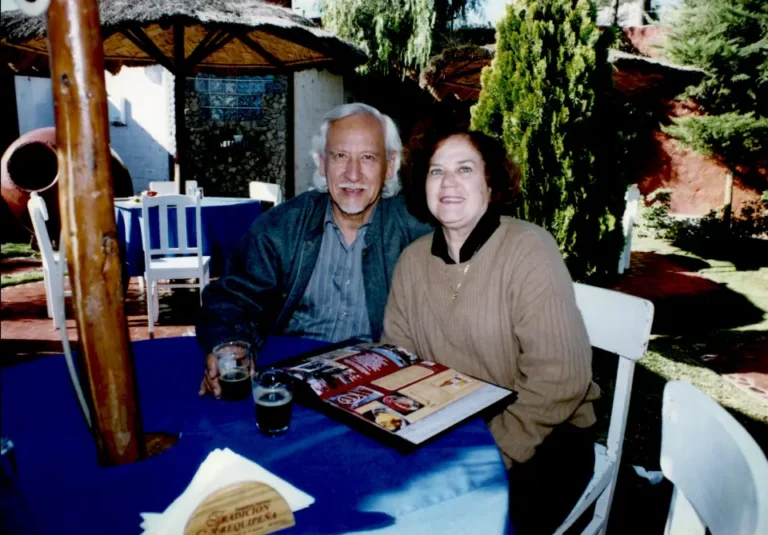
(264, 191)
(620, 324)
(191, 187)
(54, 272)
(54, 268)
(632, 196)
(165, 262)
(719, 472)
(163, 188)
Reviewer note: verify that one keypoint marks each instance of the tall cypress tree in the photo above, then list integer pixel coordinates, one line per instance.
(546, 95)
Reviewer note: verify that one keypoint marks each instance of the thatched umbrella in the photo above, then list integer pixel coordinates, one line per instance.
(190, 36)
(456, 71)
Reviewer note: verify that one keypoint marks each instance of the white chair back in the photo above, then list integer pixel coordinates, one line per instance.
(620, 324)
(191, 187)
(632, 196)
(38, 212)
(719, 472)
(167, 205)
(54, 269)
(263, 191)
(163, 188)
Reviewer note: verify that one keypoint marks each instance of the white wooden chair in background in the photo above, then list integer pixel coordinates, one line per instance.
(264, 191)
(164, 187)
(190, 187)
(165, 263)
(632, 196)
(620, 324)
(54, 273)
(54, 266)
(720, 474)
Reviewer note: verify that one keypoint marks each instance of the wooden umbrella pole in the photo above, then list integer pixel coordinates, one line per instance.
(88, 222)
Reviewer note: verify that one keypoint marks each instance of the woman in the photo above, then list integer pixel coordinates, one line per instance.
(490, 296)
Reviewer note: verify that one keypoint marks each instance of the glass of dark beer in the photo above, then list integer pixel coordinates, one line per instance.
(235, 362)
(273, 398)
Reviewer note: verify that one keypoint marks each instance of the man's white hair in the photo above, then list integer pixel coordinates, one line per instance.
(394, 146)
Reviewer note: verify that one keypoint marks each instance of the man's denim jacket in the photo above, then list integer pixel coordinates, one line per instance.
(269, 274)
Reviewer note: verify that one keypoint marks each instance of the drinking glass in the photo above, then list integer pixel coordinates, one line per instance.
(273, 399)
(235, 362)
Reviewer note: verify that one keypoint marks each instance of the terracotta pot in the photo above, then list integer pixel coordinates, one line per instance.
(30, 164)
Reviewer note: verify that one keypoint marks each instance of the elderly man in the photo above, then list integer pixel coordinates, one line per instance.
(320, 265)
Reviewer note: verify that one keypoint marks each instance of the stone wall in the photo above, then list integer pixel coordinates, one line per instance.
(237, 133)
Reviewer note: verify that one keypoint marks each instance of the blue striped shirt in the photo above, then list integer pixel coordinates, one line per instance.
(333, 306)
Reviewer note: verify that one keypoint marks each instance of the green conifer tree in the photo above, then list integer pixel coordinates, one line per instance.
(546, 96)
(728, 39)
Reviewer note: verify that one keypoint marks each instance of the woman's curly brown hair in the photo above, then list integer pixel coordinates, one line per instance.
(501, 175)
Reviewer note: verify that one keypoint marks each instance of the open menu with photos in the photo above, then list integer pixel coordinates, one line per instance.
(389, 393)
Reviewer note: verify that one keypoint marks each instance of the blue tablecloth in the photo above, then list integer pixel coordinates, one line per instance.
(225, 222)
(455, 485)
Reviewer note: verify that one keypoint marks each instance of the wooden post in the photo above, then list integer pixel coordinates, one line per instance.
(88, 218)
(179, 101)
(728, 201)
(615, 13)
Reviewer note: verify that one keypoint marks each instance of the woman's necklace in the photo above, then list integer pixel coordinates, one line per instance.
(461, 279)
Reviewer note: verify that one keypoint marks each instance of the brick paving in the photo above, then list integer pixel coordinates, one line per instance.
(27, 332)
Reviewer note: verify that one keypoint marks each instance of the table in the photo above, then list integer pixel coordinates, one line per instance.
(225, 222)
(455, 485)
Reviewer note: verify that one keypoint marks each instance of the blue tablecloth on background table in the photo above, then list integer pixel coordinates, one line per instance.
(455, 485)
(225, 222)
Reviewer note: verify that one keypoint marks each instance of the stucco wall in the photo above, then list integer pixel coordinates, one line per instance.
(34, 102)
(315, 92)
(146, 139)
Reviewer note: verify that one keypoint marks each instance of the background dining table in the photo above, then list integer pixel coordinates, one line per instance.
(225, 220)
(456, 484)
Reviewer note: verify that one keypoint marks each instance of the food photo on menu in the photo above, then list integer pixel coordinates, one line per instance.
(385, 418)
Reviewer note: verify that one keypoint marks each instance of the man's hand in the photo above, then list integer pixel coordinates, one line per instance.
(211, 380)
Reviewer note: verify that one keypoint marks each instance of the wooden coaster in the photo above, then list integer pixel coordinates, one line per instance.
(245, 508)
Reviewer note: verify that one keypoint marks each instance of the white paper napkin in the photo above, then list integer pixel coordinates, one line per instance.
(220, 468)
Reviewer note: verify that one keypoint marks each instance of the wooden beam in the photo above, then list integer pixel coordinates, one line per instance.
(209, 36)
(140, 39)
(89, 229)
(106, 33)
(26, 61)
(256, 47)
(208, 47)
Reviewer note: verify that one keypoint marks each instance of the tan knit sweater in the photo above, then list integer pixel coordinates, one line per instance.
(514, 323)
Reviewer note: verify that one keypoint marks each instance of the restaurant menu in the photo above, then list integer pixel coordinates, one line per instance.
(388, 390)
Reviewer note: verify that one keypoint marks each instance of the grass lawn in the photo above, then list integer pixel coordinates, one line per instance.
(17, 250)
(13, 256)
(12, 279)
(726, 315)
